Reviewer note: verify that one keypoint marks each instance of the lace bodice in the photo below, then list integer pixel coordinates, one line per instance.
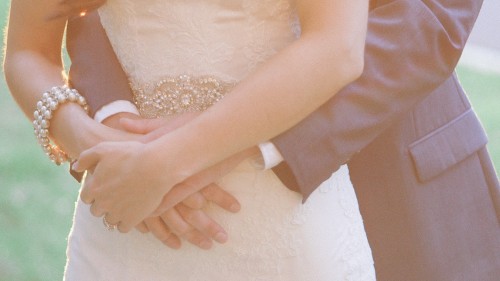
(223, 38)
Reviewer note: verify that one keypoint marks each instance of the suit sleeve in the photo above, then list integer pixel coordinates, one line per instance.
(95, 70)
(412, 47)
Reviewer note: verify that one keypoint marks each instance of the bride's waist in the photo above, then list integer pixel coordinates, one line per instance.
(174, 95)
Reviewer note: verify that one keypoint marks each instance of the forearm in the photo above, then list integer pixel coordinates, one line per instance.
(33, 62)
(278, 94)
(95, 70)
(29, 75)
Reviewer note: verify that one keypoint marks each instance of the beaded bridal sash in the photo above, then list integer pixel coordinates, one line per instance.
(174, 95)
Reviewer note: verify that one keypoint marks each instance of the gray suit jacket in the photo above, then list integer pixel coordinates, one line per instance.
(427, 190)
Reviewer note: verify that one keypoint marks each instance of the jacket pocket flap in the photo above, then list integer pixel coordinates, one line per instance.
(448, 145)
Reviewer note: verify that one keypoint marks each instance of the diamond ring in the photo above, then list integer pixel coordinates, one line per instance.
(109, 226)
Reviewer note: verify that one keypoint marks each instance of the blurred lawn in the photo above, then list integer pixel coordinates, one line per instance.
(36, 197)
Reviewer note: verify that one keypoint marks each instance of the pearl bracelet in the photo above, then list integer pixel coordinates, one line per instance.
(45, 108)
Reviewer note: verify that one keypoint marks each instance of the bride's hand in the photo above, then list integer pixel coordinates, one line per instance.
(186, 220)
(128, 181)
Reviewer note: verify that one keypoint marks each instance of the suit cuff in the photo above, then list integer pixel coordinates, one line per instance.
(271, 155)
(113, 108)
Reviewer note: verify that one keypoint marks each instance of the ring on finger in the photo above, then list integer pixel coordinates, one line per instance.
(109, 226)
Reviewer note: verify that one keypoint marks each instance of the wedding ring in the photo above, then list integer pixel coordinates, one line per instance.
(108, 225)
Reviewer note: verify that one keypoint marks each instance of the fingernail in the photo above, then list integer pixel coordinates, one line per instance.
(74, 166)
(234, 208)
(221, 237)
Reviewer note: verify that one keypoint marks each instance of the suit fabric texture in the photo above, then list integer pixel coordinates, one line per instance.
(427, 190)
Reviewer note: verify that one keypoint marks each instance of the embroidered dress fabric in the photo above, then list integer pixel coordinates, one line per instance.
(274, 236)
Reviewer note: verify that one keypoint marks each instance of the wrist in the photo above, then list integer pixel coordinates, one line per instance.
(165, 164)
(253, 152)
(114, 107)
(113, 121)
(72, 129)
(46, 108)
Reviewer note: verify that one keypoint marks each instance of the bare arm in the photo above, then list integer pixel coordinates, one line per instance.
(288, 87)
(33, 64)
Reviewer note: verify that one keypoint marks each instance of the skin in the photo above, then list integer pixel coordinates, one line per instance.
(33, 64)
(74, 8)
(298, 79)
(186, 220)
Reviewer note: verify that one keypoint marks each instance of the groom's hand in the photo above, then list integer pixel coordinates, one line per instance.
(201, 229)
(191, 223)
(151, 128)
(186, 219)
(186, 223)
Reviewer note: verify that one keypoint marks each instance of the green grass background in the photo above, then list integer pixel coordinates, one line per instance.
(37, 198)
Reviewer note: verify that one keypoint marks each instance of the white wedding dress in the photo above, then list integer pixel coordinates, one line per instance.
(184, 55)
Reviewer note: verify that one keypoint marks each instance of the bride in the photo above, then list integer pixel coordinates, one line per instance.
(254, 68)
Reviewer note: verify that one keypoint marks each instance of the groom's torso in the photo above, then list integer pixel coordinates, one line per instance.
(429, 195)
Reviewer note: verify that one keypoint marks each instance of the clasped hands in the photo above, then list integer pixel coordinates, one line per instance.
(118, 187)
(170, 218)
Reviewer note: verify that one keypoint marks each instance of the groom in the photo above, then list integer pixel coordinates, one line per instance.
(426, 187)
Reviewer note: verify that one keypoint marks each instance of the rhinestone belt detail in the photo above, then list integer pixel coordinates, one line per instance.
(174, 95)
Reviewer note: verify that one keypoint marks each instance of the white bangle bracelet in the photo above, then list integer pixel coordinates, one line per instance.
(45, 108)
